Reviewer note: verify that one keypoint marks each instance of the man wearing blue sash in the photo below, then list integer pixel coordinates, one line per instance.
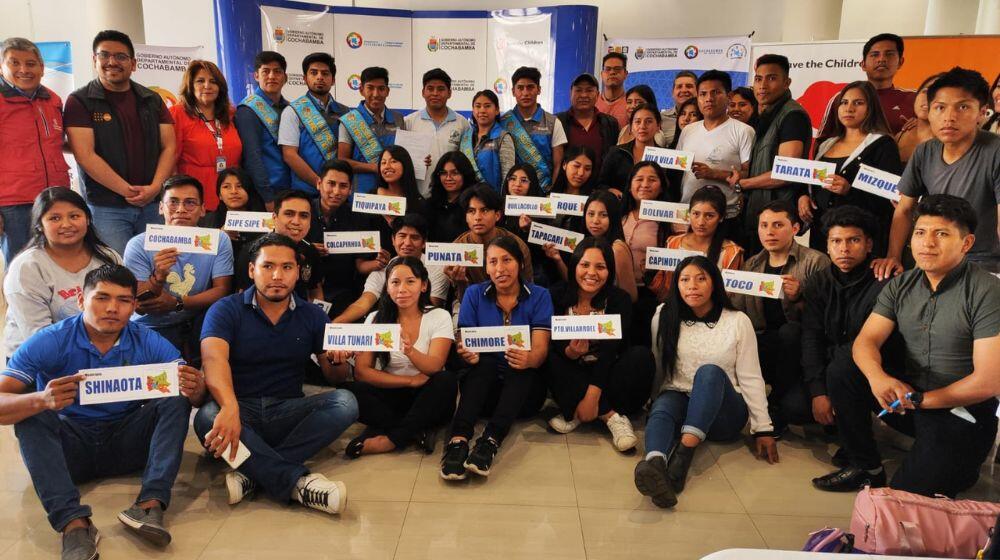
(257, 120)
(369, 129)
(539, 137)
(310, 124)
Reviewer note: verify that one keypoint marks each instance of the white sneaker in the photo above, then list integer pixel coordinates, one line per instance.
(320, 493)
(621, 432)
(561, 425)
(239, 487)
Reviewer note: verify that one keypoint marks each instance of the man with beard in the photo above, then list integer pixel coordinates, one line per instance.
(310, 124)
(255, 347)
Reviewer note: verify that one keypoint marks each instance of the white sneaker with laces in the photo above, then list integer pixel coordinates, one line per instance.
(239, 487)
(561, 425)
(320, 493)
(621, 432)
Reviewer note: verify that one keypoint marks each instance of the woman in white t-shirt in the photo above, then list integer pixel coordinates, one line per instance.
(44, 280)
(403, 395)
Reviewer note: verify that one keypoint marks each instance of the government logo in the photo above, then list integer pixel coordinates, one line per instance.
(432, 44)
(691, 51)
(354, 41)
(279, 35)
(640, 53)
(354, 82)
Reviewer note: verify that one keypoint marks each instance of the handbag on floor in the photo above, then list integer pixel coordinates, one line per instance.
(830, 540)
(887, 521)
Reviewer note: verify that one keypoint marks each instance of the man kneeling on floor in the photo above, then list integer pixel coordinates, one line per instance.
(947, 311)
(65, 443)
(255, 346)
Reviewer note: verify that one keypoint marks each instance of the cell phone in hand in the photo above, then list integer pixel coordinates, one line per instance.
(242, 454)
(145, 296)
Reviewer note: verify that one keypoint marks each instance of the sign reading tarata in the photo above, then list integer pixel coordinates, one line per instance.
(796, 170)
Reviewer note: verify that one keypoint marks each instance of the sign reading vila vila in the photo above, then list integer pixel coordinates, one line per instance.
(379, 204)
(753, 283)
(877, 182)
(563, 239)
(185, 239)
(453, 254)
(496, 339)
(568, 204)
(586, 327)
(362, 338)
(129, 383)
(249, 221)
(660, 211)
(669, 159)
(799, 170)
(535, 206)
(346, 242)
(661, 258)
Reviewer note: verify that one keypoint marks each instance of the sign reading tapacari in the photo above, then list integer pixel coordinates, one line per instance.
(379, 204)
(129, 383)
(453, 254)
(662, 258)
(564, 239)
(350, 242)
(496, 339)
(185, 239)
(669, 159)
(752, 283)
(237, 220)
(362, 338)
(660, 211)
(877, 182)
(797, 170)
(586, 327)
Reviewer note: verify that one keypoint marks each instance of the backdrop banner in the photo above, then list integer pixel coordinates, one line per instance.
(520, 38)
(161, 69)
(58, 60)
(364, 40)
(655, 62)
(296, 34)
(457, 46)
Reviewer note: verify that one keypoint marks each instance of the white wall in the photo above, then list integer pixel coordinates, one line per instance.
(861, 19)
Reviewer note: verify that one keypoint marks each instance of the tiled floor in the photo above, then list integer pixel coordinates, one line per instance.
(550, 496)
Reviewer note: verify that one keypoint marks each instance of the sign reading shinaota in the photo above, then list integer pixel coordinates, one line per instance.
(129, 383)
(370, 337)
(496, 339)
(379, 204)
(753, 283)
(587, 327)
(185, 239)
(798, 170)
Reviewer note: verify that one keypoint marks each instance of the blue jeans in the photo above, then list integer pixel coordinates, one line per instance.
(16, 229)
(61, 453)
(713, 411)
(282, 433)
(115, 226)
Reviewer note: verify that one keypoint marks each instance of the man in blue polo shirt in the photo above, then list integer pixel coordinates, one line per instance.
(65, 443)
(255, 346)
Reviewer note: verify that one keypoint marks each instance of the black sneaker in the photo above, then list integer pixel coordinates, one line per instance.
(850, 479)
(453, 461)
(651, 480)
(481, 458)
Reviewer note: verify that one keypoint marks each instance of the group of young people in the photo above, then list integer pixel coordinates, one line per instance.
(859, 327)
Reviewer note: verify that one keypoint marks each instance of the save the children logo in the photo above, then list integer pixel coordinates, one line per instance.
(691, 51)
(432, 44)
(158, 383)
(279, 35)
(354, 82)
(354, 40)
(516, 339)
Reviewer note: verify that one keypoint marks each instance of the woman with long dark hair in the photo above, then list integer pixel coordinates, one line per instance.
(620, 160)
(743, 106)
(452, 175)
(602, 218)
(606, 380)
(855, 132)
(578, 177)
(45, 278)
(687, 113)
(992, 124)
(235, 191)
(522, 180)
(396, 177)
(487, 145)
(403, 395)
(708, 381)
(706, 212)
(639, 95)
(502, 386)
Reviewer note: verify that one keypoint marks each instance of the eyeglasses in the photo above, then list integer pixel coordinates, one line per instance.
(614, 69)
(449, 174)
(105, 56)
(189, 204)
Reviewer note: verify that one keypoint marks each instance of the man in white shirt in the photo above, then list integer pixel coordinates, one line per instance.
(437, 119)
(720, 144)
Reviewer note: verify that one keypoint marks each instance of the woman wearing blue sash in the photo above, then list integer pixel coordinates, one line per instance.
(489, 147)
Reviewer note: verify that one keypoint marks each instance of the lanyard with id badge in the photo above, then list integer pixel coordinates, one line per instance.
(216, 130)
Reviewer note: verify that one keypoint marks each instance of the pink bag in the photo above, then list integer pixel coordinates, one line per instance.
(887, 521)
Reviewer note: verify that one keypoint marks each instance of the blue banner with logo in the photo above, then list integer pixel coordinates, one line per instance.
(656, 62)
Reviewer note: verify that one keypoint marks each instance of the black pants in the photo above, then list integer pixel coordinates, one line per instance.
(403, 413)
(642, 317)
(517, 394)
(780, 352)
(946, 454)
(626, 391)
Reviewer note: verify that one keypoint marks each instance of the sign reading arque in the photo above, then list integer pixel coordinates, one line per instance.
(496, 339)
(129, 383)
(370, 337)
(877, 182)
(348, 242)
(453, 254)
(587, 327)
(237, 220)
(798, 170)
(536, 206)
(563, 239)
(753, 283)
(379, 204)
(185, 239)
(661, 258)
(568, 204)
(660, 211)
(669, 159)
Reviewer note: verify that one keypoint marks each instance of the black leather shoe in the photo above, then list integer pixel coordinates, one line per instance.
(354, 448)
(849, 479)
(651, 480)
(679, 465)
(840, 459)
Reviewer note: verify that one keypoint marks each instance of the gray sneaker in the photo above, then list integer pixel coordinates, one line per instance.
(80, 544)
(147, 523)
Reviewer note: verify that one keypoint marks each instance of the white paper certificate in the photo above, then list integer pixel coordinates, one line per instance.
(129, 383)
(418, 145)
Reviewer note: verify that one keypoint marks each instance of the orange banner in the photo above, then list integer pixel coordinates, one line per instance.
(924, 56)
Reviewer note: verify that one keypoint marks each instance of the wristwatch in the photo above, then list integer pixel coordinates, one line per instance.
(916, 398)
(738, 188)
(180, 304)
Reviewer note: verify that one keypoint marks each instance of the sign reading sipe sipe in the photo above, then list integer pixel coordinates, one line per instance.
(249, 221)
